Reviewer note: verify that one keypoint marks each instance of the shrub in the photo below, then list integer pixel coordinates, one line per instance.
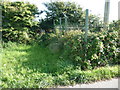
(34, 67)
(99, 50)
(18, 21)
(94, 75)
(62, 80)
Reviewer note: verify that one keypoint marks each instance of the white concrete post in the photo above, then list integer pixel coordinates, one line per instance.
(106, 13)
(119, 10)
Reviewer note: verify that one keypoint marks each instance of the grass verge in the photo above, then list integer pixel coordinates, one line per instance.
(33, 66)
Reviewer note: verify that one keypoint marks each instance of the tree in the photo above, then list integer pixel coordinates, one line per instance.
(75, 16)
(95, 24)
(58, 9)
(18, 19)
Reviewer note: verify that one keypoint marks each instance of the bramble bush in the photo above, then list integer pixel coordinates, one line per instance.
(101, 48)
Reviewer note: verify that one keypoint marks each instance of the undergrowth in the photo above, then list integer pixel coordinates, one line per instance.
(34, 66)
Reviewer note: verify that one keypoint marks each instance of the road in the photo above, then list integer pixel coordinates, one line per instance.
(113, 83)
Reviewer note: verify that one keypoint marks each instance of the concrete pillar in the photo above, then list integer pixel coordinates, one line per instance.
(106, 11)
(119, 10)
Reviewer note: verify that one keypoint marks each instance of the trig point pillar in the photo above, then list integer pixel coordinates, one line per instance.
(119, 10)
(106, 13)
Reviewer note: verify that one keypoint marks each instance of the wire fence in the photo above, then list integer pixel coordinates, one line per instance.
(64, 23)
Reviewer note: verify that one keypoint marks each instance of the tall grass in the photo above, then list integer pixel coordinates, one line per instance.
(32, 66)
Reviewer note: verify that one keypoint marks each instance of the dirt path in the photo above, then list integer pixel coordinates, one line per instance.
(113, 83)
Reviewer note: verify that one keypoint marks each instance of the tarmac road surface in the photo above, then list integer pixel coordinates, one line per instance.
(113, 83)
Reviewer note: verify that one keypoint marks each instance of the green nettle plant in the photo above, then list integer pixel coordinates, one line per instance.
(18, 20)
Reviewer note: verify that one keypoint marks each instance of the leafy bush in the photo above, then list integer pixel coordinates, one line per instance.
(115, 25)
(33, 66)
(94, 75)
(100, 49)
(18, 21)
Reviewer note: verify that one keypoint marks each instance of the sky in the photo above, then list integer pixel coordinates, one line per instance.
(95, 6)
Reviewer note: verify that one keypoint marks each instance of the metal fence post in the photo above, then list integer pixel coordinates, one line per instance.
(1, 48)
(60, 23)
(86, 34)
(86, 25)
(65, 20)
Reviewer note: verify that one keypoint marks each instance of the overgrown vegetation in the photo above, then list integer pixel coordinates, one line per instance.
(101, 48)
(18, 24)
(32, 66)
(32, 59)
(74, 13)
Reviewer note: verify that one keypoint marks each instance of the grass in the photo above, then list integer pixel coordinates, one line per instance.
(27, 63)
(33, 66)
(32, 57)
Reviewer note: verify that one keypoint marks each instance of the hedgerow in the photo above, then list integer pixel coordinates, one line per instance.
(101, 48)
(18, 23)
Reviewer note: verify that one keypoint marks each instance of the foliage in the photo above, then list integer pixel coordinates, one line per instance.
(102, 73)
(58, 9)
(101, 48)
(74, 13)
(95, 23)
(29, 66)
(115, 25)
(35, 66)
(26, 66)
(18, 21)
